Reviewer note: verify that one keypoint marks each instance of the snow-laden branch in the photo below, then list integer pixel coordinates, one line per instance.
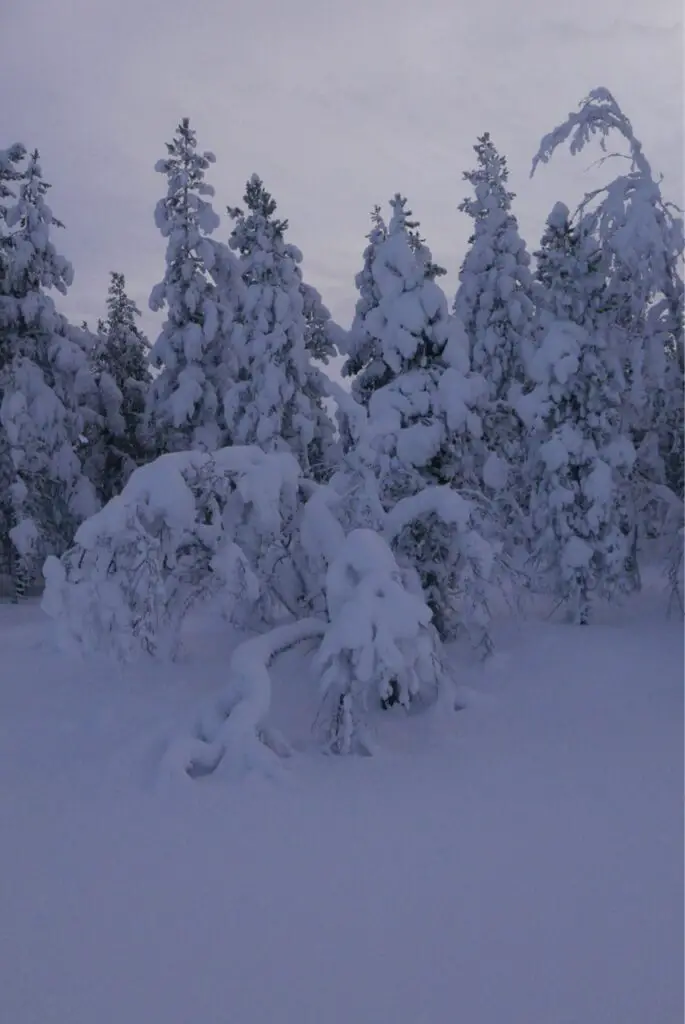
(598, 115)
(230, 731)
(640, 232)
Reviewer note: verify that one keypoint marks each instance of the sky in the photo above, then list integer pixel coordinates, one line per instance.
(336, 105)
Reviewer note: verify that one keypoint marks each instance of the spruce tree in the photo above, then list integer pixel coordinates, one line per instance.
(199, 290)
(640, 236)
(43, 376)
(120, 357)
(495, 301)
(10, 173)
(276, 400)
(581, 455)
(365, 363)
(420, 431)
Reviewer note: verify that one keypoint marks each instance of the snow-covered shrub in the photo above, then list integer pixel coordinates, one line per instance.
(441, 534)
(187, 526)
(674, 569)
(379, 644)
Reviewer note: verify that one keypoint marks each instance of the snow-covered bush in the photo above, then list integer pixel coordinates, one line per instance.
(188, 526)
(379, 643)
(441, 534)
(674, 569)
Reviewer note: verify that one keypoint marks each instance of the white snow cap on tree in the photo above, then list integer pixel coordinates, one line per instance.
(276, 398)
(200, 289)
(43, 374)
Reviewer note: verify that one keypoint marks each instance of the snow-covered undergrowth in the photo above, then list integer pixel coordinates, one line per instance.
(518, 861)
(186, 527)
(193, 527)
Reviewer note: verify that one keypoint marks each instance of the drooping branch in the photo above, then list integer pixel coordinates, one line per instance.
(598, 115)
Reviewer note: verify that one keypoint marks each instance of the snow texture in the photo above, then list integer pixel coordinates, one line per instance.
(523, 857)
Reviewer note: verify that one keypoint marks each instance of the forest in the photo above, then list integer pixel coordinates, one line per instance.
(523, 437)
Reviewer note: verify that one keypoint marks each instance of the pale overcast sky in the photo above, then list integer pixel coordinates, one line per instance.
(336, 105)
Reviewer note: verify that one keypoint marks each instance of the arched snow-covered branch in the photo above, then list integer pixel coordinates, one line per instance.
(230, 732)
(598, 115)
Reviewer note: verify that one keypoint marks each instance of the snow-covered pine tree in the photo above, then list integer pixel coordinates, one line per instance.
(582, 467)
(364, 362)
(11, 160)
(640, 235)
(580, 454)
(496, 303)
(276, 400)
(122, 372)
(421, 431)
(200, 288)
(320, 341)
(569, 268)
(43, 376)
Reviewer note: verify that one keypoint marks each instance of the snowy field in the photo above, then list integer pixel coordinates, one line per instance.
(517, 863)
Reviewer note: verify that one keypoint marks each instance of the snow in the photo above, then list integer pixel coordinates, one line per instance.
(185, 526)
(520, 862)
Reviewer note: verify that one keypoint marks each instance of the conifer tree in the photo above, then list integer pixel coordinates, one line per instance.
(640, 236)
(569, 268)
(581, 456)
(43, 378)
(363, 362)
(495, 301)
(420, 431)
(276, 399)
(120, 358)
(200, 288)
(10, 173)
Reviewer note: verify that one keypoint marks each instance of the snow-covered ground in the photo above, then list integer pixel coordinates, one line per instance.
(520, 863)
